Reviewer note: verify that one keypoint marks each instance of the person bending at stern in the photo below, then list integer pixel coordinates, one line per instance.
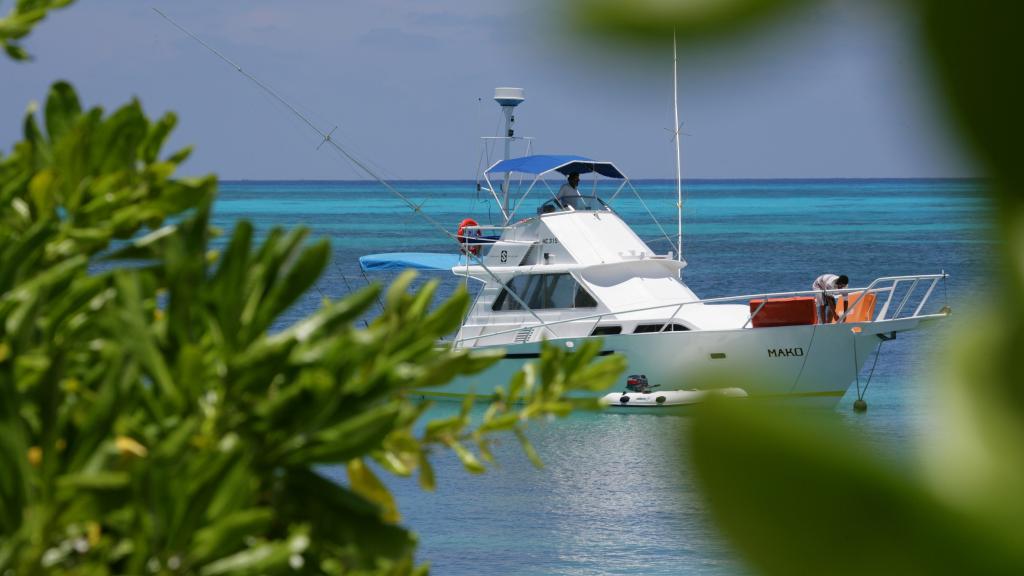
(827, 302)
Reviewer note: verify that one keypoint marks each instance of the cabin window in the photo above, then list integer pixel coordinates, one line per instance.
(544, 291)
(606, 330)
(584, 299)
(650, 328)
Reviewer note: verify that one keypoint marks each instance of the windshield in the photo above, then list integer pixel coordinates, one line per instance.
(576, 203)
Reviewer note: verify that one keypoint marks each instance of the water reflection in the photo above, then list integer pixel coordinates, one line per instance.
(614, 497)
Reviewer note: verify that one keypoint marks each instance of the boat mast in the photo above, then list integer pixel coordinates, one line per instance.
(508, 99)
(679, 174)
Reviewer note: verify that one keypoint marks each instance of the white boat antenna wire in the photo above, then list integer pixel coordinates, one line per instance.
(679, 172)
(325, 136)
(651, 214)
(326, 139)
(617, 190)
(527, 193)
(484, 156)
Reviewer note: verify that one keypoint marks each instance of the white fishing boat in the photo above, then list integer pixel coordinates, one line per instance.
(571, 269)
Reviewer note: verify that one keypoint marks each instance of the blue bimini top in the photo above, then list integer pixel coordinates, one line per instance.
(564, 163)
(410, 261)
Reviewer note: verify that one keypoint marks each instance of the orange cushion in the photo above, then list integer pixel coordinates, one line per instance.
(784, 312)
(862, 311)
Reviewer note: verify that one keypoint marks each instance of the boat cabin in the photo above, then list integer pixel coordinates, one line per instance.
(575, 267)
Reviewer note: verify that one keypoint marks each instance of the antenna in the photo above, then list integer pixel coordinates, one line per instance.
(679, 172)
(508, 99)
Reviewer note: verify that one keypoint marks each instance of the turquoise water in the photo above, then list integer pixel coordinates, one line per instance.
(615, 496)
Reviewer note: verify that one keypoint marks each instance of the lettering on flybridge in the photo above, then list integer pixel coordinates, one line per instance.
(785, 352)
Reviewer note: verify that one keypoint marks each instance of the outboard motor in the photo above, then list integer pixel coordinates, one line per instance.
(637, 383)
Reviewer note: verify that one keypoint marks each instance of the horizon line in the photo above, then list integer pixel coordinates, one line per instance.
(684, 180)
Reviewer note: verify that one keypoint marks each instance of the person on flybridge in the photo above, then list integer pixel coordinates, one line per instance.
(827, 302)
(569, 190)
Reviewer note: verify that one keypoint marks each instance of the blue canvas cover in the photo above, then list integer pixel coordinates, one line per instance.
(397, 261)
(564, 163)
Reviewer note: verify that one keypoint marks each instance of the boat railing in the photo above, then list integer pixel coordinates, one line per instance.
(487, 234)
(891, 286)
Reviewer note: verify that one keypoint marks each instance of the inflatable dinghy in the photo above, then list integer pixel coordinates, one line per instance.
(639, 394)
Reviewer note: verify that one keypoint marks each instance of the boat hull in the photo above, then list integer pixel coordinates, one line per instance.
(813, 362)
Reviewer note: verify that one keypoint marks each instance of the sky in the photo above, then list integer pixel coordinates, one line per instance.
(838, 90)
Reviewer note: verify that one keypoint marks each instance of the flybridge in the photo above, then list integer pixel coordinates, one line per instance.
(541, 166)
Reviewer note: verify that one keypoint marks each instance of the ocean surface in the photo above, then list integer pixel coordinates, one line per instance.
(616, 495)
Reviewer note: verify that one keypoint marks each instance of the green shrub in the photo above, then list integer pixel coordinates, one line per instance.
(151, 422)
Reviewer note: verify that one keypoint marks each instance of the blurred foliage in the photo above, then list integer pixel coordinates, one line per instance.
(648, 20)
(801, 496)
(19, 22)
(151, 421)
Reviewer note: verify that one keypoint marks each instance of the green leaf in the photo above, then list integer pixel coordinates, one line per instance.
(62, 110)
(180, 156)
(335, 315)
(118, 139)
(421, 300)
(796, 494)
(452, 363)
(977, 461)
(15, 52)
(448, 316)
(136, 337)
(215, 483)
(94, 481)
(365, 483)
(19, 22)
(156, 136)
(230, 276)
(263, 558)
(46, 280)
(600, 375)
(517, 385)
(973, 46)
(528, 449)
(427, 480)
(229, 533)
(503, 422)
(395, 297)
(444, 426)
(14, 472)
(484, 446)
(97, 427)
(645, 20)
(350, 438)
(300, 276)
(468, 459)
(344, 518)
(40, 148)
